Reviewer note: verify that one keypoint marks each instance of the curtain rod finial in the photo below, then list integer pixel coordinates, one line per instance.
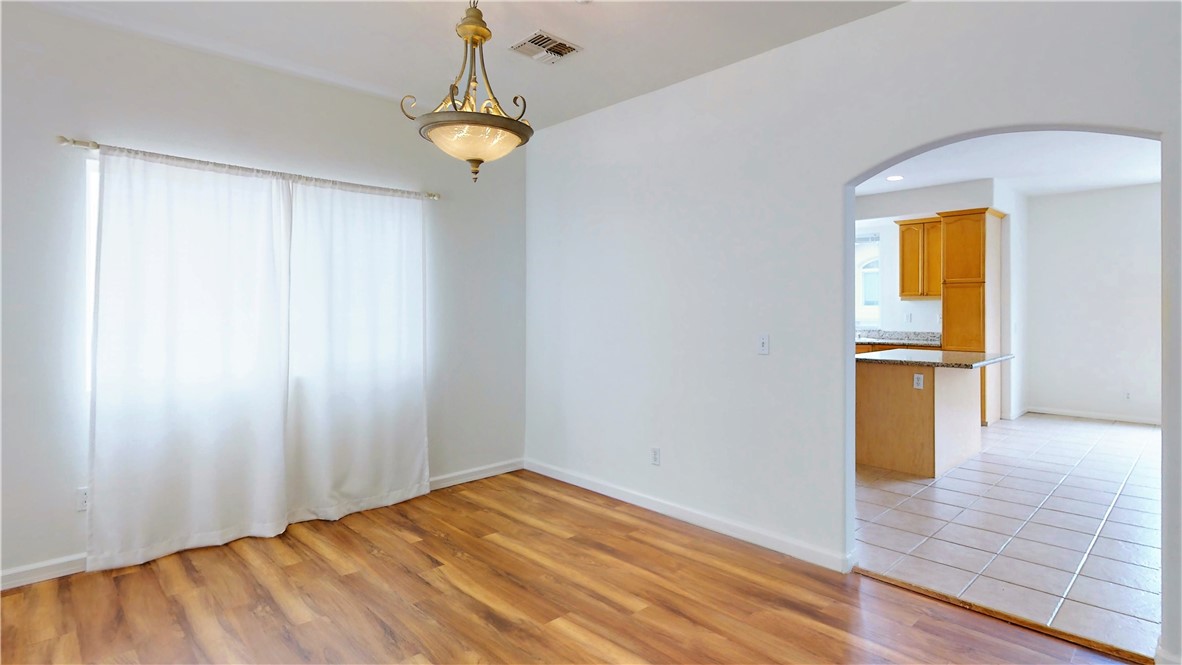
(91, 145)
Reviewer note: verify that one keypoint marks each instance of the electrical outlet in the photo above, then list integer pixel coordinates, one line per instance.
(764, 344)
(1128, 395)
(82, 499)
(917, 381)
(655, 457)
(908, 317)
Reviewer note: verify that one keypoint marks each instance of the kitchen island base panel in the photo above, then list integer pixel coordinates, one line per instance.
(958, 426)
(921, 432)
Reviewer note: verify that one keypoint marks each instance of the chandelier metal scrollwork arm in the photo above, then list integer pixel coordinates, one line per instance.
(412, 105)
(518, 100)
(451, 94)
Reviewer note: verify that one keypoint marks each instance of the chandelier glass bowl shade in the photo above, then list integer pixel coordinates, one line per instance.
(462, 127)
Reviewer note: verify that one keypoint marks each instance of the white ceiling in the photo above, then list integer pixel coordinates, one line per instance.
(1033, 163)
(398, 48)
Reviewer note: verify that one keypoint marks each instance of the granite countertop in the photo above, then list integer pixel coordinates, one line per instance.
(923, 357)
(897, 337)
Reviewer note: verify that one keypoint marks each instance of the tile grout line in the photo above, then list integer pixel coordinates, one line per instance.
(1092, 544)
(1026, 522)
(1091, 448)
(980, 496)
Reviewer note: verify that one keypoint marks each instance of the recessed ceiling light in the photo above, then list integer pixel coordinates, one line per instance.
(894, 178)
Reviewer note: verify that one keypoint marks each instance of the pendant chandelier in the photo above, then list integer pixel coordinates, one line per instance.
(459, 126)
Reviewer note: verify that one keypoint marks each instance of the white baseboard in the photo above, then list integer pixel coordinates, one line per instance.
(478, 473)
(1015, 417)
(1164, 657)
(42, 570)
(1051, 411)
(750, 533)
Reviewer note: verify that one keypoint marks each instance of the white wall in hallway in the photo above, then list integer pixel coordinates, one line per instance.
(663, 238)
(1093, 329)
(1014, 280)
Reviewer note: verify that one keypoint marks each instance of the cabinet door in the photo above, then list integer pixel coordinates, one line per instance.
(933, 252)
(863, 348)
(910, 260)
(964, 248)
(964, 317)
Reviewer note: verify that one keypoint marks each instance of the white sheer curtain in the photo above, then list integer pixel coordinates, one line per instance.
(356, 353)
(258, 355)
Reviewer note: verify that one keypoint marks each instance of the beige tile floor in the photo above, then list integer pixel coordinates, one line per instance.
(1056, 521)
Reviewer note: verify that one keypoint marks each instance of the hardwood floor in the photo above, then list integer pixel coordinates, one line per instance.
(515, 569)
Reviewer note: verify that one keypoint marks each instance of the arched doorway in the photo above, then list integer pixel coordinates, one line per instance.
(978, 578)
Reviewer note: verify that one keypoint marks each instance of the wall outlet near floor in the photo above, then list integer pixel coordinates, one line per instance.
(1128, 395)
(917, 381)
(655, 457)
(763, 345)
(82, 499)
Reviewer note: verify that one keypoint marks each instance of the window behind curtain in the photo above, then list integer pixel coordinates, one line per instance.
(258, 354)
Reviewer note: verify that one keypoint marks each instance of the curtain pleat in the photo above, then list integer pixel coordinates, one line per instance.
(258, 356)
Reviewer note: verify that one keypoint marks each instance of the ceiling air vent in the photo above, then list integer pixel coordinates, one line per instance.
(545, 47)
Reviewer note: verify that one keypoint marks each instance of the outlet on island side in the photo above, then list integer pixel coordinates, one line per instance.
(917, 381)
(82, 499)
(655, 457)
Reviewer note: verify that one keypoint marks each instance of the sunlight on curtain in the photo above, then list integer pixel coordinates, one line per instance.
(356, 352)
(219, 410)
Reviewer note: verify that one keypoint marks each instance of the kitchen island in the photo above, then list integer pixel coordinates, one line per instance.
(919, 411)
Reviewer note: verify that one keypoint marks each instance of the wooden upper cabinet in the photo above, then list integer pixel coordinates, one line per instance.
(919, 257)
(933, 258)
(964, 243)
(963, 310)
(910, 260)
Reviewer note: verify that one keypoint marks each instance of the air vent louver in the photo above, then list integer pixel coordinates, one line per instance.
(545, 47)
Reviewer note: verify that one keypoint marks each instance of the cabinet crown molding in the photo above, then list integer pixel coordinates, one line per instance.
(972, 211)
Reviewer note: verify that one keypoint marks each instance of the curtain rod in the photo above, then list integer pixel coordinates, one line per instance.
(93, 145)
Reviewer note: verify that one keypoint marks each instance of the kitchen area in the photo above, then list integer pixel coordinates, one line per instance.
(1027, 488)
(923, 395)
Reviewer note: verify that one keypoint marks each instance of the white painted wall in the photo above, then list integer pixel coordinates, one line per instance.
(1094, 309)
(925, 314)
(663, 237)
(1014, 269)
(65, 77)
(925, 201)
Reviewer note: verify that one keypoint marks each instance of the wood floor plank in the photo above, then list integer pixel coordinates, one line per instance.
(273, 579)
(175, 574)
(517, 568)
(14, 622)
(213, 638)
(151, 618)
(101, 624)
